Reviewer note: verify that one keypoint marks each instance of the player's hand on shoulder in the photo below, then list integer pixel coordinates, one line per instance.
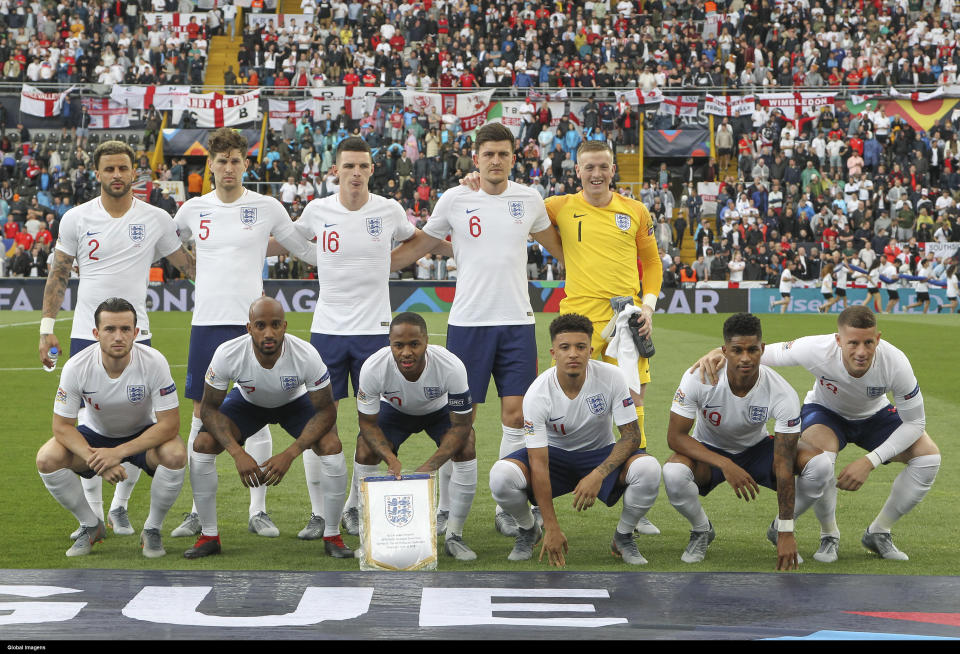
(585, 494)
(710, 365)
(854, 474)
(250, 474)
(787, 551)
(555, 546)
(743, 484)
(471, 181)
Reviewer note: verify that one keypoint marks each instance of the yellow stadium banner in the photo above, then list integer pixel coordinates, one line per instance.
(263, 136)
(157, 157)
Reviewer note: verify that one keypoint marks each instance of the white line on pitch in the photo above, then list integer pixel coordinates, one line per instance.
(26, 324)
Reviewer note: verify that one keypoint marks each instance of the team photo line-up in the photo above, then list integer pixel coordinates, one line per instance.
(116, 407)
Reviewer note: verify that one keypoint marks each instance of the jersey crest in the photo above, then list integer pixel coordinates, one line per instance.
(399, 509)
(876, 391)
(516, 210)
(596, 404)
(248, 216)
(623, 221)
(374, 226)
(757, 414)
(137, 232)
(432, 392)
(136, 393)
(288, 383)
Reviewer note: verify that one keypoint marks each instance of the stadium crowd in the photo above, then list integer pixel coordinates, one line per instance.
(841, 182)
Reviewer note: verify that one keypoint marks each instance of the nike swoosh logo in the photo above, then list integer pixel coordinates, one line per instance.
(83, 392)
(327, 226)
(92, 233)
(555, 419)
(391, 392)
(472, 210)
(244, 381)
(713, 406)
(202, 215)
(828, 379)
(579, 215)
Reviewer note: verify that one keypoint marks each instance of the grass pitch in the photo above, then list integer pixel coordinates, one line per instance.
(39, 536)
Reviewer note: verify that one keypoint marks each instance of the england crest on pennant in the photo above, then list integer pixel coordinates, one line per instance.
(399, 509)
(757, 414)
(248, 216)
(136, 393)
(288, 383)
(432, 392)
(516, 211)
(596, 404)
(374, 226)
(623, 221)
(137, 232)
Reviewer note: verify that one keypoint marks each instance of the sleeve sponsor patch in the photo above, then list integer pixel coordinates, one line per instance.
(527, 428)
(361, 396)
(679, 397)
(912, 394)
(628, 401)
(459, 401)
(211, 376)
(794, 422)
(61, 396)
(172, 388)
(325, 377)
(788, 344)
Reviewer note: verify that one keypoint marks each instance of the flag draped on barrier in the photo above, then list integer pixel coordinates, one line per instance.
(35, 102)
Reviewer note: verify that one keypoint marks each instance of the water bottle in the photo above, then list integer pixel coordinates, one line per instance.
(53, 354)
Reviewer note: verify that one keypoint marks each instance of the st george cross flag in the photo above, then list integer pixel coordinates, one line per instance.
(163, 98)
(280, 110)
(106, 114)
(355, 99)
(218, 110)
(917, 97)
(638, 96)
(35, 102)
(797, 107)
(398, 524)
(679, 105)
(729, 105)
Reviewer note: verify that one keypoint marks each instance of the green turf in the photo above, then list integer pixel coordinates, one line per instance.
(37, 527)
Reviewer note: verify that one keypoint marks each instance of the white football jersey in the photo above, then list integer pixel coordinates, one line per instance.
(353, 262)
(890, 272)
(298, 370)
(116, 408)
(443, 383)
(850, 397)
(826, 284)
(489, 235)
(841, 272)
(114, 257)
(734, 423)
(786, 281)
(583, 423)
(952, 288)
(923, 287)
(231, 244)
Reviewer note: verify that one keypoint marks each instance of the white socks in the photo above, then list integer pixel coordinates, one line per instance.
(910, 486)
(511, 441)
(643, 485)
(684, 495)
(332, 488)
(121, 495)
(203, 479)
(360, 470)
(509, 489)
(812, 482)
(64, 485)
(463, 486)
(443, 481)
(164, 491)
(826, 507)
(260, 447)
(93, 493)
(195, 425)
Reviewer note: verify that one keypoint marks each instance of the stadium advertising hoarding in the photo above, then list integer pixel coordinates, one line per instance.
(26, 294)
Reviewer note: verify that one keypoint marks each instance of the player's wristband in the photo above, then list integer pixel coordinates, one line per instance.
(46, 326)
(785, 525)
(650, 300)
(875, 459)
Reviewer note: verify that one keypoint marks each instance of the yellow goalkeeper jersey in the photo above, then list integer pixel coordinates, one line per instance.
(601, 246)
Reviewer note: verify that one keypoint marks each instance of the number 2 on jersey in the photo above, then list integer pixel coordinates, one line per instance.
(330, 241)
(475, 226)
(95, 244)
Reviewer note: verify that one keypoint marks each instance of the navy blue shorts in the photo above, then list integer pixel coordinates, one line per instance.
(250, 418)
(204, 341)
(398, 426)
(568, 468)
(841, 292)
(508, 352)
(78, 345)
(97, 440)
(756, 460)
(869, 434)
(344, 356)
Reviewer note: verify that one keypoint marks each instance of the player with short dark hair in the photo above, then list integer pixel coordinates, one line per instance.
(569, 413)
(854, 371)
(409, 387)
(131, 417)
(729, 442)
(113, 239)
(278, 379)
